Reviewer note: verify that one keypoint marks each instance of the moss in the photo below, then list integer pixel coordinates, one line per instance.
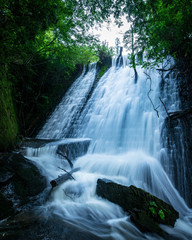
(103, 70)
(153, 204)
(152, 210)
(8, 121)
(161, 214)
(135, 199)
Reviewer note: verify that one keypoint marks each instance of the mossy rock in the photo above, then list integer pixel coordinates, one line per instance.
(139, 203)
(145, 223)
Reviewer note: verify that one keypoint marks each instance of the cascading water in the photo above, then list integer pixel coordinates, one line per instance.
(176, 136)
(125, 148)
(60, 121)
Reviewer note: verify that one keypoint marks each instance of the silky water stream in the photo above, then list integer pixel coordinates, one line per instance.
(125, 147)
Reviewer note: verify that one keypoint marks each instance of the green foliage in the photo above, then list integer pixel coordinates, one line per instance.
(160, 27)
(8, 122)
(103, 51)
(103, 71)
(42, 45)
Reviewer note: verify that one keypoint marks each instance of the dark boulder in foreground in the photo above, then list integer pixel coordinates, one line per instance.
(36, 225)
(20, 181)
(146, 210)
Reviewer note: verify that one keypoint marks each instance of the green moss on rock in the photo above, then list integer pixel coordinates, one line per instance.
(144, 208)
(161, 214)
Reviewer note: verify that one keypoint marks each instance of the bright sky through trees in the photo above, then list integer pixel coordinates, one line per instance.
(109, 32)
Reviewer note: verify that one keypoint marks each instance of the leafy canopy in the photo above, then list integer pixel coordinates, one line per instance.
(161, 27)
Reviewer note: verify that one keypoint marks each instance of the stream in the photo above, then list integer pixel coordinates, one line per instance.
(125, 134)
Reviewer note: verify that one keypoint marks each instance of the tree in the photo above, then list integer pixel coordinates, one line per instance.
(161, 27)
(42, 44)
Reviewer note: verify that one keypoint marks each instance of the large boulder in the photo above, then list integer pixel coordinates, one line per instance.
(20, 181)
(146, 210)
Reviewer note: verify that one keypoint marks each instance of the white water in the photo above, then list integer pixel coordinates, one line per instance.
(60, 121)
(125, 148)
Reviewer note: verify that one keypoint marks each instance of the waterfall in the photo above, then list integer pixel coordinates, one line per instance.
(120, 119)
(119, 116)
(70, 106)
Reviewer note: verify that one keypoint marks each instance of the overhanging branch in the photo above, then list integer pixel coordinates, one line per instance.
(148, 94)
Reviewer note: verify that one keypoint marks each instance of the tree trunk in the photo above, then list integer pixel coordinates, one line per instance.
(63, 178)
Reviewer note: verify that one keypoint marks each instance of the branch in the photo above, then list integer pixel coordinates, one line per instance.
(66, 157)
(68, 195)
(67, 172)
(32, 56)
(148, 94)
(164, 106)
(166, 70)
(63, 178)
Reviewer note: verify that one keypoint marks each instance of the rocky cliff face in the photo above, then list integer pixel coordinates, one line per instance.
(177, 137)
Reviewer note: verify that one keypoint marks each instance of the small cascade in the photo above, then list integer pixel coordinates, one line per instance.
(59, 123)
(125, 147)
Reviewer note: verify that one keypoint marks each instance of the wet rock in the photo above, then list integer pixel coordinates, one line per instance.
(73, 147)
(32, 226)
(176, 132)
(144, 208)
(37, 143)
(5, 176)
(19, 182)
(144, 222)
(27, 181)
(176, 137)
(6, 207)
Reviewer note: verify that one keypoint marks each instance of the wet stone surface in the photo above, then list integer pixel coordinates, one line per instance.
(38, 227)
(20, 183)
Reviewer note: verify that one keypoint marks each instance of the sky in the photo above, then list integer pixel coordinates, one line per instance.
(110, 32)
